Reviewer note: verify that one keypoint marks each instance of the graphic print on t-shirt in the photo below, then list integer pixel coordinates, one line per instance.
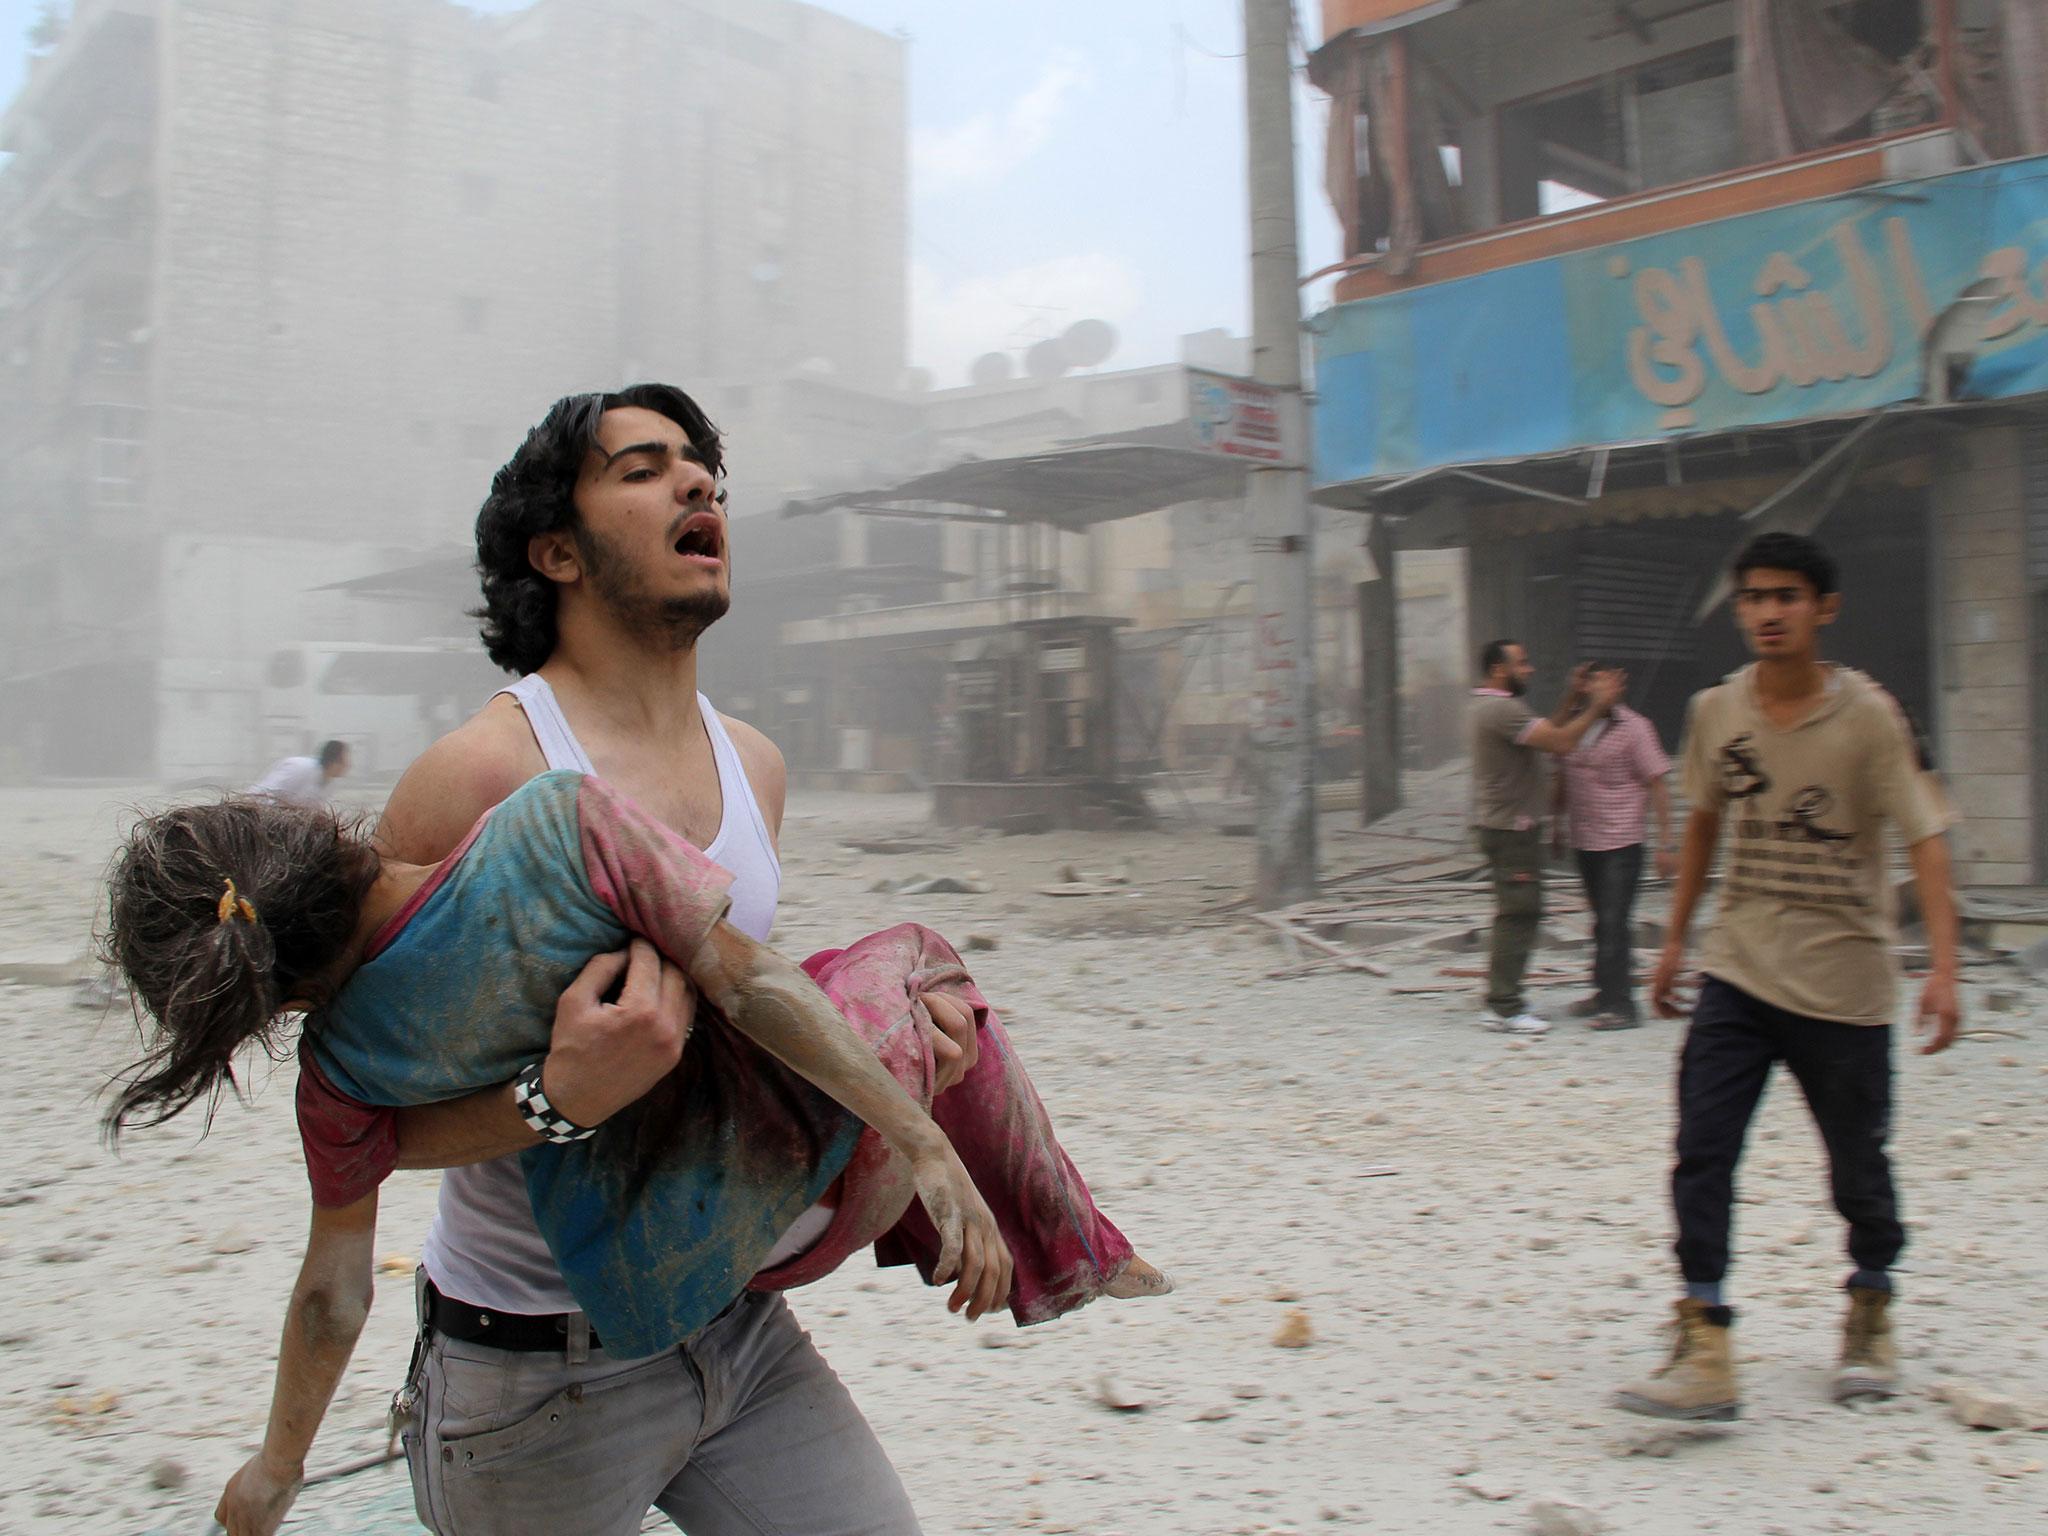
(1793, 855)
(1808, 807)
(1742, 776)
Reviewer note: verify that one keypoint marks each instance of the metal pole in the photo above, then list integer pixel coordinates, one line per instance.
(1283, 719)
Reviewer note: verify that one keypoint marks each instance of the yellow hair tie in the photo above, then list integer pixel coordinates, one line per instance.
(233, 904)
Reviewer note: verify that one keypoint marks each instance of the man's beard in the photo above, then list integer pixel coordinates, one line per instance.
(677, 622)
(1517, 686)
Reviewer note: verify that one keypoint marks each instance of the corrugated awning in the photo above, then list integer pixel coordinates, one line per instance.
(1072, 488)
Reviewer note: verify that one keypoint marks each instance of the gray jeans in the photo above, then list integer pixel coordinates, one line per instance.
(742, 1430)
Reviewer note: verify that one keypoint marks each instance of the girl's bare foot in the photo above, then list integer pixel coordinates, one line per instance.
(1138, 1279)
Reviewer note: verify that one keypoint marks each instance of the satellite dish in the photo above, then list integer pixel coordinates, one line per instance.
(1047, 359)
(1088, 342)
(992, 368)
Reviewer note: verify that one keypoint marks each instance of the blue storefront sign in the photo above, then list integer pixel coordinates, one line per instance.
(1813, 310)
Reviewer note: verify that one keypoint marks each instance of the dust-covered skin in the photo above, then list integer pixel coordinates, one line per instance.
(774, 1004)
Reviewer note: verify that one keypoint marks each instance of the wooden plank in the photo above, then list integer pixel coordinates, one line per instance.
(1338, 952)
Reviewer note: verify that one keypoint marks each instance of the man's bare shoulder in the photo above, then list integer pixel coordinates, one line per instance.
(457, 779)
(766, 771)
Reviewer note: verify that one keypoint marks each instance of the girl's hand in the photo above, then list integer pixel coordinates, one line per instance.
(971, 1248)
(258, 1497)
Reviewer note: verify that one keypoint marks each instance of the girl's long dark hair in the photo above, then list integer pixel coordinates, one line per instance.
(219, 916)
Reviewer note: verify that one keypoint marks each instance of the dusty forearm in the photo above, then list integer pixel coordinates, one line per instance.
(1937, 895)
(779, 1008)
(329, 1305)
(473, 1129)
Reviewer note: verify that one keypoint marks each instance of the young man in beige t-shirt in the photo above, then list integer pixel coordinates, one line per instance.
(1808, 761)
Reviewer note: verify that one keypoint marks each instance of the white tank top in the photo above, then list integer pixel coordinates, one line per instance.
(483, 1247)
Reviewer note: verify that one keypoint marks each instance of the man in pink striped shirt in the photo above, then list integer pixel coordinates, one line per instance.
(1609, 782)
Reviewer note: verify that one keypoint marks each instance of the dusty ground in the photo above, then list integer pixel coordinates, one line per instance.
(1470, 1312)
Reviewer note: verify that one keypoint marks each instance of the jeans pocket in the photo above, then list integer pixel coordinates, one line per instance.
(480, 1451)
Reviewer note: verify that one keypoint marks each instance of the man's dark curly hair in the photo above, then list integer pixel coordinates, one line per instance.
(1793, 552)
(531, 495)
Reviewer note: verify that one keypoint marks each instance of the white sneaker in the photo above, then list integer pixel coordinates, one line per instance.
(1520, 1024)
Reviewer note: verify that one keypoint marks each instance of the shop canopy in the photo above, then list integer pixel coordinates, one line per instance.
(1095, 481)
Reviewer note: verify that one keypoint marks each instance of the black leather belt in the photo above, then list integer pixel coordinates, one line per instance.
(527, 1332)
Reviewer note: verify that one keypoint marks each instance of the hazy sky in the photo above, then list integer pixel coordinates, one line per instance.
(1070, 158)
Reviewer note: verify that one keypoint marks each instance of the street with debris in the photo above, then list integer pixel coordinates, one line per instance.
(1414, 1258)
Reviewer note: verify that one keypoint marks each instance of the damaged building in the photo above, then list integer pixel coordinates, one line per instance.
(282, 282)
(1625, 284)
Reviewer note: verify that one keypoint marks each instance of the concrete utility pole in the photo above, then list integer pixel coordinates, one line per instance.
(1283, 722)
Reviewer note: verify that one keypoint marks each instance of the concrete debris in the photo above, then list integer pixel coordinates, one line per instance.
(1491, 1489)
(1112, 1393)
(1976, 1408)
(1561, 1517)
(168, 1475)
(931, 885)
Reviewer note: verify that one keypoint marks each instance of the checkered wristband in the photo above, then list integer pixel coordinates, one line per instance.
(535, 1109)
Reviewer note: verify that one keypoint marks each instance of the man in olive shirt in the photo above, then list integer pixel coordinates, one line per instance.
(1807, 762)
(1510, 791)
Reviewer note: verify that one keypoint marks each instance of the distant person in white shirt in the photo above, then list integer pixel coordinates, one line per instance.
(304, 780)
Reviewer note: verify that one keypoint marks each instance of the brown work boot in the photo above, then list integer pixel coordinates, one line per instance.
(1698, 1381)
(1870, 1364)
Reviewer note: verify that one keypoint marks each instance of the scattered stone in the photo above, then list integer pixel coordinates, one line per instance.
(69, 1254)
(1283, 1293)
(1561, 1517)
(1247, 1392)
(1215, 1413)
(168, 1475)
(1492, 1489)
(1112, 1393)
(396, 1264)
(1823, 1485)
(233, 1242)
(1977, 1409)
(1295, 1331)
(1543, 1244)
(981, 941)
(1960, 1137)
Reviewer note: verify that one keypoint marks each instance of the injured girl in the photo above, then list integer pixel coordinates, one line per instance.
(803, 1099)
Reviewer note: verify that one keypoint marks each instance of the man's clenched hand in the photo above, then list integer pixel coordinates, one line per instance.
(605, 1055)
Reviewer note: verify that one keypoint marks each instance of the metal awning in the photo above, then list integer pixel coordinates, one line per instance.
(1097, 481)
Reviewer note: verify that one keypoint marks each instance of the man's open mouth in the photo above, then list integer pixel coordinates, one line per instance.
(700, 540)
